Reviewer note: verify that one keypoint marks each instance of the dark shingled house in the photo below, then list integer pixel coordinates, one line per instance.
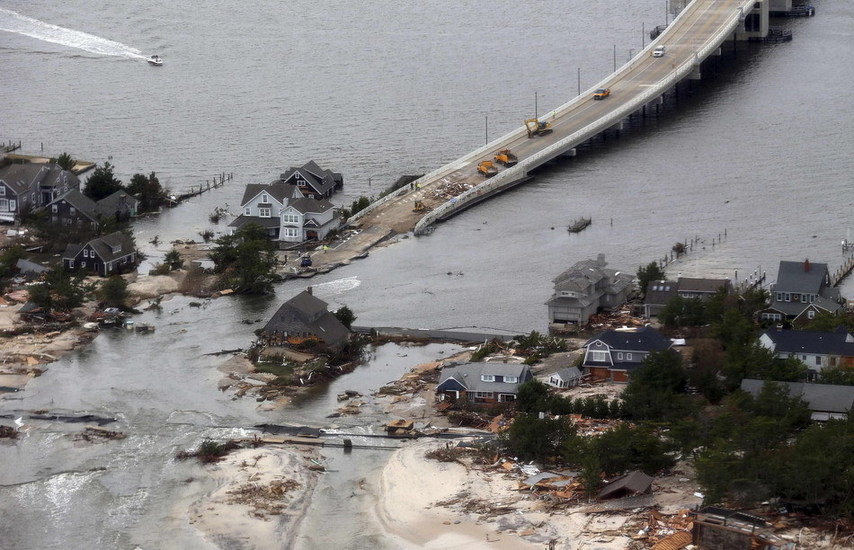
(305, 317)
(113, 253)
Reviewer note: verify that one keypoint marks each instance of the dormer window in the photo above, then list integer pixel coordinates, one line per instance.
(511, 379)
(487, 378)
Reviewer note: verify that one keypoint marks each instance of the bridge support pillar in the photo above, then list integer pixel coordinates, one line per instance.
(695, 74)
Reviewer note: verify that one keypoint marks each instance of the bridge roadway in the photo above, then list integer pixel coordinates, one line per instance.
(694, 35)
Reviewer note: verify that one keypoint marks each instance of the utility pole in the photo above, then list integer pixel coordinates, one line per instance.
(536, 110)
(643, 34)
(486, 127)
(579, 80)
(615, 58)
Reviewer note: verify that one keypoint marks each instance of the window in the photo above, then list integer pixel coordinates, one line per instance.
(71, 210)
(787, 297)
(247, 211)
(599, 356)
(620, 356)
(290, 218)
(805, 298)
(264, 198)
(818, 360)
(4, 205)
(13, 205)
(628, 357)
(2, 191)
(291, 232)
(85, 252)
(511, 379)
(83, 264)
(487, 378)
(811, 314)
(264, 212)
(54, 209)
(779, 297)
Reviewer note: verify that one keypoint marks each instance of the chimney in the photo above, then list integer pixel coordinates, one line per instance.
(600, 260)
(309, 290)
(806, 265)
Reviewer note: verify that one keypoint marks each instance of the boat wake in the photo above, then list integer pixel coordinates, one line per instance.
(14, 22)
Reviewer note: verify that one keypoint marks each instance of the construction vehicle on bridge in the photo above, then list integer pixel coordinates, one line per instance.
(419, 207)
(506, 157)
(537, 127)
(487, 168)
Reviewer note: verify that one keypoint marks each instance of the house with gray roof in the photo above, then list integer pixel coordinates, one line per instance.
(826, 401)
(31, 186)
(802, 291)
(105, 255)
(584, 289)
(701, 288)
(816, 349)
(614, 354)
(305, 317)
(658, 294)
(120, 206)
(565, 378)
(285, 214)
(312, 181)
(482, 383)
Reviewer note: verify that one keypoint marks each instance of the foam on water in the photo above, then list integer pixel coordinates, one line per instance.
(17, 23)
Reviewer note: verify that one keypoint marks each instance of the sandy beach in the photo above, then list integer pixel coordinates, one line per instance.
(261, 496)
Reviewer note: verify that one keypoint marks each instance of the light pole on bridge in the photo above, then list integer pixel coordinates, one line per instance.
(615, 58)
(579, 80)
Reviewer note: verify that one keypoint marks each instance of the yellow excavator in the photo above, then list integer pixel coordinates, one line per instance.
(537, 127)
(419, 207)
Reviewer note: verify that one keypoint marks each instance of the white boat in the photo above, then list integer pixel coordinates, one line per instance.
(155, 60)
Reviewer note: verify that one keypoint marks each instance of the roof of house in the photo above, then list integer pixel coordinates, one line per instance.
(468, 375)
(266, 223)
(281, 193)
(20, 177)
(320, 179)
(635, 339)
(305, 313)
(113, 246)
(819, 397)
(32, 268)
(660, 292)
(839, 342)
(80, 202)
(311, 206)
(569, 373)
(802, 277)
(711, 286)
(632, 483)
(116, 202)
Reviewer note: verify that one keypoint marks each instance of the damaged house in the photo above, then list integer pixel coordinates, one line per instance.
(483, 382)
(584, 289)
(302, 318)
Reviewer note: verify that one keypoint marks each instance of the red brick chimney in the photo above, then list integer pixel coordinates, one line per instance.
(807, 264)
(309, 290)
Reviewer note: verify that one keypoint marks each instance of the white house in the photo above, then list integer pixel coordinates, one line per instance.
(285, 214)
(565, 378)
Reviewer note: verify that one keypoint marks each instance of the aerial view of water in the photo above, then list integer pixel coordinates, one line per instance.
(760, 151)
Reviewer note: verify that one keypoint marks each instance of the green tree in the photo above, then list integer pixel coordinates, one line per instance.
(9, 258)
(656, 390)
(148, 191)
(346, 316)
(60, 291)
(683, 312)
(626, 448)
(102, 183)
(173, 260)
(825, 321)
(246, 260)
(534, 438)
(65, 161)
(532, 397)
(837, 375)
(648, 273)
(114, 291)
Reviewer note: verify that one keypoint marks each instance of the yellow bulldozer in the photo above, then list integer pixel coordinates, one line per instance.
(506, 157)
(487, 168)
(537, 127)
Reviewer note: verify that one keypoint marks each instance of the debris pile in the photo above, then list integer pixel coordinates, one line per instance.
(666, 530)
(449, 189)
(263, 500)
(615, 319)
(8, 432)
(97, 433)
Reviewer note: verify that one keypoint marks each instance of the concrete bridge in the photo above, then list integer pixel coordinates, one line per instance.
(697, 33)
